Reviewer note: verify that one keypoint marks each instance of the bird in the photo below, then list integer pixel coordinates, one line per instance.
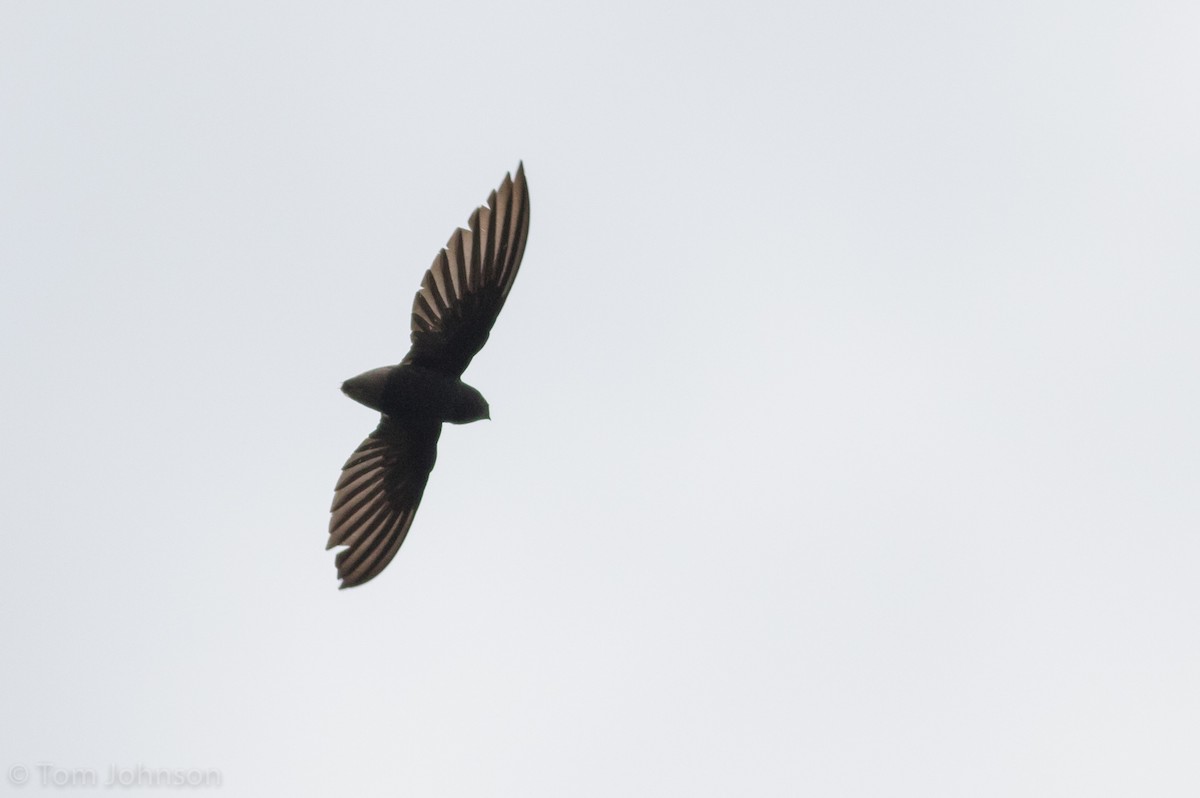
(462, 293)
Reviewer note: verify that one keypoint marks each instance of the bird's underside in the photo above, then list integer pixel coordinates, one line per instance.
(382, 483)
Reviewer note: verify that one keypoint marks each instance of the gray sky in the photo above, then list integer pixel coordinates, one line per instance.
(845, 434)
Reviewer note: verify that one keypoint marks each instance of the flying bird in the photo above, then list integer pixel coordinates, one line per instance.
(381, 484)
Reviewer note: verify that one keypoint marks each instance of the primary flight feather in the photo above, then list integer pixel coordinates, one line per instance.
(381, 484)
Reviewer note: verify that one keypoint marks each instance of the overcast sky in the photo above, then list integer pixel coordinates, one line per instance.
(846, 413)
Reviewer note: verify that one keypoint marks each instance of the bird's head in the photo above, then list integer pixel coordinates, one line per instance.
(367, 388)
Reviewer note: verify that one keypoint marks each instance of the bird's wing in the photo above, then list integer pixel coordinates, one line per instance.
(466, 286)
(377, 496)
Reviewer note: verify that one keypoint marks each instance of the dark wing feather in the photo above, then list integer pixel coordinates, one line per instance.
(466, 286)
(377, 496)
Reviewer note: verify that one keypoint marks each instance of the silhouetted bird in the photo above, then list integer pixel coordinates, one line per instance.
(382, 482)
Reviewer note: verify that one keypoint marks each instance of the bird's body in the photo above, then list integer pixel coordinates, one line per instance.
(463, 291)
(414, 392)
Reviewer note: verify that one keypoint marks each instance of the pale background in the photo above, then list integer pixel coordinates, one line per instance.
(845, 434)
